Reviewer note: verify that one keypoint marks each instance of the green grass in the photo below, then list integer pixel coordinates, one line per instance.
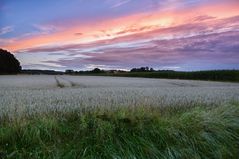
(199, 132)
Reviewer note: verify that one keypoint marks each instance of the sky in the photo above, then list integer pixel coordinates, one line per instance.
(183, 35)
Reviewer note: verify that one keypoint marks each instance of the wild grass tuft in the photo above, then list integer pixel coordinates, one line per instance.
(199, 132)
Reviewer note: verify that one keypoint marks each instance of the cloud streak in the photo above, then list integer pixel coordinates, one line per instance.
(120, 3)
(162, 38)
(6, 30)
(206, 49)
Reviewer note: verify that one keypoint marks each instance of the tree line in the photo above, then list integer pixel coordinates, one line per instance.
(10, 65)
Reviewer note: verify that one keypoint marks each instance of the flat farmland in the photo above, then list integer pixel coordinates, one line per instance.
(46, 116)
(23, 94)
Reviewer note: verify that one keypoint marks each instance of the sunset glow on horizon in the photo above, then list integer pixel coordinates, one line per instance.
(121, 34)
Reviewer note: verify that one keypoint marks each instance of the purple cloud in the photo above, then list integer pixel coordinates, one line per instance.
(207, 40)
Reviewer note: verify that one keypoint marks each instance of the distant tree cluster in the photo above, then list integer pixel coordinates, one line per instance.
(142, 69)
(69, 71)
(8, 63)
(106, 72)
(42, 72)
(94, 71)
(97, 70)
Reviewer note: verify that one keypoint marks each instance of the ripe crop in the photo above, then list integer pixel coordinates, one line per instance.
(29, 95)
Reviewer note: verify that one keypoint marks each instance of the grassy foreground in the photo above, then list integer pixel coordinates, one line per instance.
(199, 132)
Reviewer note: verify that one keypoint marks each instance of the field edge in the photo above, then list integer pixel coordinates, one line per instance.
(198, 132)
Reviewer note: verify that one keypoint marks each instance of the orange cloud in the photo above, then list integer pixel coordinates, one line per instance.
(124, 26)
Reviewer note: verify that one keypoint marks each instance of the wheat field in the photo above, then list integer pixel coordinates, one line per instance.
(27, 95)
(46, 116)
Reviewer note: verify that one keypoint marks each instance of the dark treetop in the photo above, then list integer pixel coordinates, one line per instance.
(8, 63)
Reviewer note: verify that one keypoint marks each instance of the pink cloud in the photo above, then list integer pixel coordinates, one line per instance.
(209, 49)
(130, 25)
(166, 40)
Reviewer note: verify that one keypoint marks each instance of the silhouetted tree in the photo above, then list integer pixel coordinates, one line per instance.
(69, 71)
(151, 70)
(8, 63)
(97, 70)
